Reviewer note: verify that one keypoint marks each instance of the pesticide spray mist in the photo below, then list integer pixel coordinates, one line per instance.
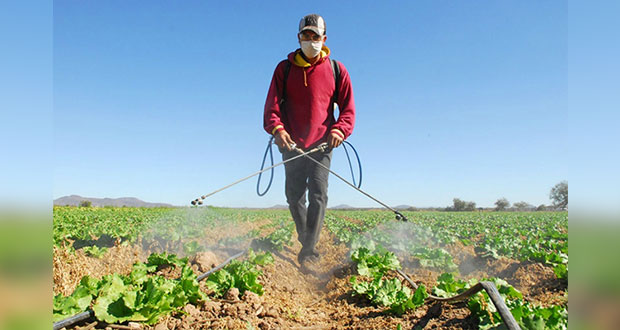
(205, 233)
(412, 243)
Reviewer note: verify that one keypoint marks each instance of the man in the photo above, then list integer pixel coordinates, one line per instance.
(300, 111)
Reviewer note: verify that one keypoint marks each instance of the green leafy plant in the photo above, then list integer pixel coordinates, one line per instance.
(165, 259)
(191, 248)
(78, 301)
(434, 258)
(375, 261)
(389, 293)
(525, 313)
(95, 251)
(279, 237)
(134, 297)
(242, 275)
(448, 285)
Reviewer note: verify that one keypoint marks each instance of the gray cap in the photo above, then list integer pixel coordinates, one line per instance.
(312, 22)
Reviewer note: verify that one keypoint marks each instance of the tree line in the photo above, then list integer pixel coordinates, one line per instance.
(558, 196)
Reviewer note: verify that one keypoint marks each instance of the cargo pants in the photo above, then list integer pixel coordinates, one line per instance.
(303, 175)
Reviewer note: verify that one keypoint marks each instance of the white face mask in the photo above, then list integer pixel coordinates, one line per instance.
(311, 48)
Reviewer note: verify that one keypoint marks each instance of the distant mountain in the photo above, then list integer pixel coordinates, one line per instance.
(74, 200)
(342, 206)
(279, 206)
(402, 207)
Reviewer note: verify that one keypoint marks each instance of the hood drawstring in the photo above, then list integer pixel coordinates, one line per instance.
(305, 79)
(300, 60)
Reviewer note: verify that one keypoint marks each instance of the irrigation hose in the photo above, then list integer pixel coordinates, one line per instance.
(205, 275)
(73, 319)
(89, 313)
(491, 290)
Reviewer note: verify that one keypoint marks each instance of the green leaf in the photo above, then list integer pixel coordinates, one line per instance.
(533, 322)
(95, 251)
(163, 259)
(376, 263)
(420, 295)
(140, 271)
(220, 282)
(192, 247)
(90, 283)
(79, 301)
(260, 259)
(561, 271)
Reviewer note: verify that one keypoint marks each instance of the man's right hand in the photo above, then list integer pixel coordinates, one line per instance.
(283, 140)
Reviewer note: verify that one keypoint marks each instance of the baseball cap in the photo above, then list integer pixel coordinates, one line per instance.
(314, 23)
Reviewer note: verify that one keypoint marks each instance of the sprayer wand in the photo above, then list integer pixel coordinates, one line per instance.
(321, 147)
(399, 216)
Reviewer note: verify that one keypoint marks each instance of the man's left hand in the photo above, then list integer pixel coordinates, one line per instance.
(334, 140)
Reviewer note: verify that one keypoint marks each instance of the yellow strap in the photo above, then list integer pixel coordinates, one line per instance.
(275, 129)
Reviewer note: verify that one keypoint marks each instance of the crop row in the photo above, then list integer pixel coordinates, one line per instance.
(377, 283)
(539, 237)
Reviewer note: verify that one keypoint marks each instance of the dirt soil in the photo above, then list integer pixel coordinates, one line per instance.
(318, 297)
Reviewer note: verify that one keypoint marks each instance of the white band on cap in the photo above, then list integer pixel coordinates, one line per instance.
(307, 23)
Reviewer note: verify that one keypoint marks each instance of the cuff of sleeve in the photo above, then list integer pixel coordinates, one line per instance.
(276, 129)
(339, 132)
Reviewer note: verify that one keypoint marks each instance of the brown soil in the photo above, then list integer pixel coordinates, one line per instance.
(69, 267)
(318, 297)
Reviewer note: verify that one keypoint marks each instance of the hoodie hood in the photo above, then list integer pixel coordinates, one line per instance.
(297, 59)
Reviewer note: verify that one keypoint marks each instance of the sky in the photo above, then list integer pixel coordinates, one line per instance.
(593, 104)
(163, 101)
(26, 111)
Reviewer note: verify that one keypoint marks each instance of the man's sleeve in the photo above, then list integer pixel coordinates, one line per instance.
(346, 105)
(272, 118)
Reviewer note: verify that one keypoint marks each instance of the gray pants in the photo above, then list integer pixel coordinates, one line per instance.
(303, 174)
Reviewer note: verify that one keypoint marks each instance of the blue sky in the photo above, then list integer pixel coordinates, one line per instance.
(26, 166)
(163, 101)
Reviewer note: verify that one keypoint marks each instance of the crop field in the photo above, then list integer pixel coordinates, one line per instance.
(139, 268)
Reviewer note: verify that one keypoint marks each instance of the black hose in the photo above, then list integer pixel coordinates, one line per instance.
(491, 290)
(213, 270)
(73, 319)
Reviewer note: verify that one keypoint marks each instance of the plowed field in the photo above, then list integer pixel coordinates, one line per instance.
(319, 297)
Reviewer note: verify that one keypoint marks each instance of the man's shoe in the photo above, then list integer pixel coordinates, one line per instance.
(313, 258)
(305, 254)
(302, 257)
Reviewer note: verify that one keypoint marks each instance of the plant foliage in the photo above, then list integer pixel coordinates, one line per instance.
(139, 296)
(242, 275)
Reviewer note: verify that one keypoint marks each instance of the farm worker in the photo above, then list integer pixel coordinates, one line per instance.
(300, 110)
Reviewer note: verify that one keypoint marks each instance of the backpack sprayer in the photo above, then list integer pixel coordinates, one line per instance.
(320, 148)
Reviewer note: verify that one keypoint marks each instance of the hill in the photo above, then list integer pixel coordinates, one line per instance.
(74, 200)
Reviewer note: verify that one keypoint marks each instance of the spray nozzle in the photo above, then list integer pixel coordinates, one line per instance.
(400, 217)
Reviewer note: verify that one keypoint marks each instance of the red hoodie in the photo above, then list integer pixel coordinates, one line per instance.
(308, 107)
